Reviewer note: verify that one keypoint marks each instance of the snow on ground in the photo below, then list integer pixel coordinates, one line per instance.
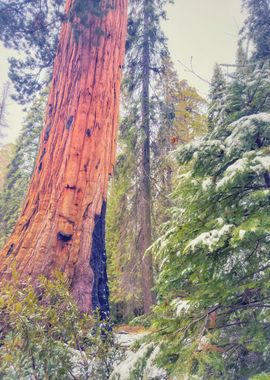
(132, 357)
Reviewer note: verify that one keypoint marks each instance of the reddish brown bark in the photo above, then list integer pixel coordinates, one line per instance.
(76, 156)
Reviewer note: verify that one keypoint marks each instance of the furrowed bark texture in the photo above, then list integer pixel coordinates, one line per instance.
(61, 224)
(145, 232)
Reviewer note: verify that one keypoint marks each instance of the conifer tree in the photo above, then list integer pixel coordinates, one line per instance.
(257, 27)
(213, 290)
(3, 110)
(216, 111)
(21, 168)
(177, 118)
(146, 46)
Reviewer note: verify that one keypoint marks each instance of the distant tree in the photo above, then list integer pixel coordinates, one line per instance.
(176, 115)
(3, 108)
(146, 51)
(217, 98)
(21, 167)
(146, 46)
(179, 118)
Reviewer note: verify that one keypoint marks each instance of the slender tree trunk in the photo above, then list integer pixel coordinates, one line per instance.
(3, 106)
(145, 232)
(62, 222)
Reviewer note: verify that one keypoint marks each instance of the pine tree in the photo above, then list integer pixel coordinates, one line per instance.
(216, 111)
(213, 316)
(257, 27)
(214, 281)
(248, 91)
(146, 47)
(179, 118)
(176, 117)
(122, 226)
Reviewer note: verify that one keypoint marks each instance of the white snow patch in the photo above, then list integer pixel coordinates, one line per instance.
(151, 370)
(241, 129)
(264, 161)
(242, 234)
(220, 221)
(257, 164)
(207, 183)
(209, 239)
(164, 261)
(181, 306)
(238, 166)
(263, 116)
(124, 369)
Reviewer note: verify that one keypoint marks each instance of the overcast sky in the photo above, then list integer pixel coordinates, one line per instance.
(206, 30)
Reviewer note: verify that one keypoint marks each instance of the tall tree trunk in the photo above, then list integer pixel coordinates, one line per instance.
(145, 232)
(3, 106)
(62, 222)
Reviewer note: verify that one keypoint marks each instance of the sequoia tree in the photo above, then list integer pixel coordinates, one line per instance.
(62, 221)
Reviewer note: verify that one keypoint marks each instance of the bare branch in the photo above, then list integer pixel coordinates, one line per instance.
(192, 71)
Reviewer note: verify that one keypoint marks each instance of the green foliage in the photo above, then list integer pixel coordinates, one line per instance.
(214, 283)
(176, 117)
(44, 336)
(81, 10)
(249, 90)
(121, 232)
(123, 211)
(263, 376)
(26, 27)
(6, 154)
(21, 167)
(257, 27)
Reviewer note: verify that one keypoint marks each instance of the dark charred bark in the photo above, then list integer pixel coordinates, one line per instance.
(100, 292)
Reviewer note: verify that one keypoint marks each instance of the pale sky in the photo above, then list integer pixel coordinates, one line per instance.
(206, 30)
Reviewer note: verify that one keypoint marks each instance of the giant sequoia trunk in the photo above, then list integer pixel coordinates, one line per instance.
(144, 210)
(62, 222)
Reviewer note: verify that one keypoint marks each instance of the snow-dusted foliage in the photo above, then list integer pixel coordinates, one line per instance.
(209, 239)
(213, 313)
(215, 259)
(214, 279)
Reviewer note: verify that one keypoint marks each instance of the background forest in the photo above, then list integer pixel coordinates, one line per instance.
(187, 223)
